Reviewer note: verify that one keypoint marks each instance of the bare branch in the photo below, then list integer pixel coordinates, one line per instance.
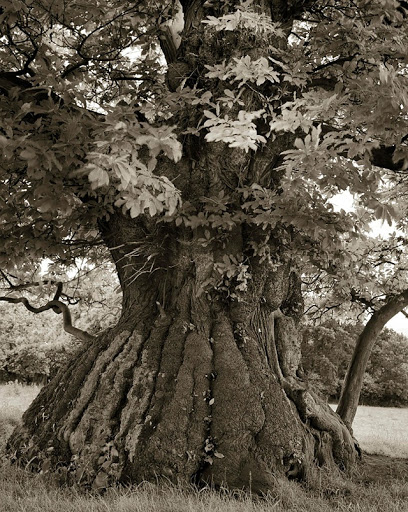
(6, 278)
(26, 286)
(367, 303)
(58, 307)
(58, 291)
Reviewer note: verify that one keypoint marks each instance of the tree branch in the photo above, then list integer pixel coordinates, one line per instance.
(58, 307)
(73, 67)
(32, 284)
(381, 156)
(367, 303)
(6, 278)
(353, 382)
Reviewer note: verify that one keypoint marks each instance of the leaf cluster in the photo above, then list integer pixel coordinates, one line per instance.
(307, 106)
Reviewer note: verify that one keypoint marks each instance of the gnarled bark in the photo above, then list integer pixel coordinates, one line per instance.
(197, 382)
(191, 387)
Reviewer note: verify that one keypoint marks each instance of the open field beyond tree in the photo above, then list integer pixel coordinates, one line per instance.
(382, 430)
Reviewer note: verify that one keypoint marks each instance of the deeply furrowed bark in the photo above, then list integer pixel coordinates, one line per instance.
(191, 387)
(194, 384)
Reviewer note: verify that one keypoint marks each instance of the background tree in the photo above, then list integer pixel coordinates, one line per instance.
(388, 371)
(204, 155)
(375, 288)
(326, 353)
(353, 382)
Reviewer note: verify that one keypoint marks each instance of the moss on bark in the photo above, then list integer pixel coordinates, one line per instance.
(201, 390)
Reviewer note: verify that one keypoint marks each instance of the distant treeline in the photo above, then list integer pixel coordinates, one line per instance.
(326, 352)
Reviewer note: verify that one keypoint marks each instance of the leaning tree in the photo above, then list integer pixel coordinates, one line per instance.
(201, 142)
(372, 286)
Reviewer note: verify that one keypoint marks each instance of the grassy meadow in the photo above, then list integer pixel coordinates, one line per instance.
(382, 430)
(380, 485)
(14, 400)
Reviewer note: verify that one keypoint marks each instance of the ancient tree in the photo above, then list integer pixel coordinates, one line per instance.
(201, 143)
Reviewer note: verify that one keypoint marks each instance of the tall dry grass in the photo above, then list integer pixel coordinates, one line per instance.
(24, 492)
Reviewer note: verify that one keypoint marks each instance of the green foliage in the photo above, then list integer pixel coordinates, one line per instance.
(237, 133)
(33, 347)
(245, 19)
(116, 160)
(375, 271)
(326, 352)
(388, 371)
(56, 152)
(231, 276)
(303, 103)
(100, 119)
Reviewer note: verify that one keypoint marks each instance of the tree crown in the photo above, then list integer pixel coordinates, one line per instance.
(108, 106)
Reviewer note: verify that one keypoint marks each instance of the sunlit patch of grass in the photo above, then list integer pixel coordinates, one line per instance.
(14, 400)
(382, 430)
(17, 395)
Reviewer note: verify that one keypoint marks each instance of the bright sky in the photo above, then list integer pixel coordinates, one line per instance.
(399, 323)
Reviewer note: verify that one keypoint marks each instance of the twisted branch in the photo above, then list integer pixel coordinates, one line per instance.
(58, 307)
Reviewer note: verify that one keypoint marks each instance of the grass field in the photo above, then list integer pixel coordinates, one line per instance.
(382, 430)
(380, 486)
(14, 400)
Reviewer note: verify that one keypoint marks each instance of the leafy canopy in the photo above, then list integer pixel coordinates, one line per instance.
(94, 103)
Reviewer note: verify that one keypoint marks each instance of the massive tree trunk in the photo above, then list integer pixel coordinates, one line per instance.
(198, 381)
(190, 386)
